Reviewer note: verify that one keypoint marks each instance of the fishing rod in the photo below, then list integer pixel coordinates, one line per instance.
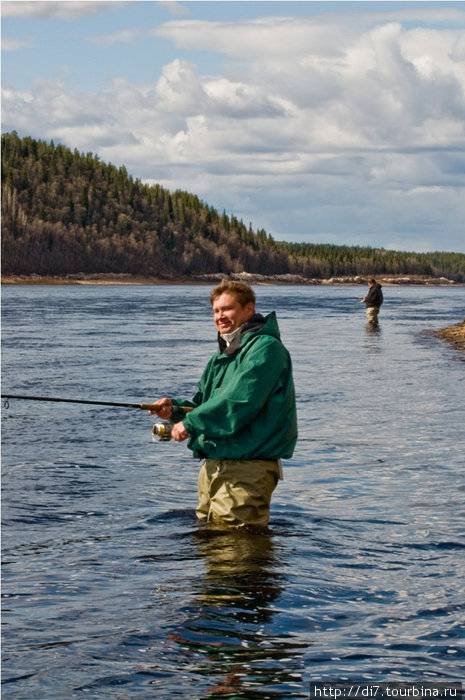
(142, 406)
(162, 430)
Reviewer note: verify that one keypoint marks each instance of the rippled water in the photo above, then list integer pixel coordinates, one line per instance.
(110, 588)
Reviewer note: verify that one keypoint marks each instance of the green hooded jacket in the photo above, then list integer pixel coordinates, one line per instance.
(245, 403)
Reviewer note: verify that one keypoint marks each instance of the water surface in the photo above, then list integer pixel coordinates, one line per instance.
(111, 589)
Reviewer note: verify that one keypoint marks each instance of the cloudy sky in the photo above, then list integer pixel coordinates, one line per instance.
(325, 122)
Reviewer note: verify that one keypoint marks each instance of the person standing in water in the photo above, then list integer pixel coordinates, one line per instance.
(373, 301)
(244, 417)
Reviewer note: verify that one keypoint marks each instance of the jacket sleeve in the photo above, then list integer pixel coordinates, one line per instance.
(369, 299)
(235, 404)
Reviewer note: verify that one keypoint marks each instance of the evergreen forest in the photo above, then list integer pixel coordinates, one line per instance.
(66, 212)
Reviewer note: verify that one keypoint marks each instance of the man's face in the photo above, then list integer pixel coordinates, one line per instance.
(228, 314)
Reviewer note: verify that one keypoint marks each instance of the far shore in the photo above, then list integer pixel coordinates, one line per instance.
(256, 279)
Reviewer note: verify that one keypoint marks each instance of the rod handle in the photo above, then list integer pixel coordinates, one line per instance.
(151, 407)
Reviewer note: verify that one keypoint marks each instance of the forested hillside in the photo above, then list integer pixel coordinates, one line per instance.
(66, 212)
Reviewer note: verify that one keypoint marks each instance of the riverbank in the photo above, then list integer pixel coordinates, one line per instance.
(256, 279)
(455, 335)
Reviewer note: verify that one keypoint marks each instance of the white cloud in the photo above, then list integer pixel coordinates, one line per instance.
(280, 37)
(179, 90)
(319, 34)
(176, 9)
(240, 100)
(49, 9)
(10, 44)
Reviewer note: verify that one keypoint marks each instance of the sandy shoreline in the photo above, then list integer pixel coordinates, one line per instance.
(127, 279)
(85, 279)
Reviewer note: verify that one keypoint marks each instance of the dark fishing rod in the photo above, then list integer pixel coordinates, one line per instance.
(142, 406)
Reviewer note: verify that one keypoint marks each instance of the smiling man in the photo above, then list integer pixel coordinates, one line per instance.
(244, 419)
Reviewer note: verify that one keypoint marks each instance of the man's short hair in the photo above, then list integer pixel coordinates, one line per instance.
(239, 290)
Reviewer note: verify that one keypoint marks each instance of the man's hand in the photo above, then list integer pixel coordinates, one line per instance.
(163, 408)
(178, 432)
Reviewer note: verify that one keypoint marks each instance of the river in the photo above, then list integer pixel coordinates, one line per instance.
(112, 590)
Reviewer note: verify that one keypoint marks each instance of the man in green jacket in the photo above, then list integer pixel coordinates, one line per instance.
(244, 418)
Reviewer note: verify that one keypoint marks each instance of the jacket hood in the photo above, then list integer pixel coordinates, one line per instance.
(263, 325)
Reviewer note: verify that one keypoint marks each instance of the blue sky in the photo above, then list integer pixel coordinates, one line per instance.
(324, 122)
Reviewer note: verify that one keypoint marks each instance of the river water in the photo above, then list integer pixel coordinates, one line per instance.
(111, 589)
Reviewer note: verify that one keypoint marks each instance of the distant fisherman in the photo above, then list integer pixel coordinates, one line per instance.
(244, 419)
(373, 301)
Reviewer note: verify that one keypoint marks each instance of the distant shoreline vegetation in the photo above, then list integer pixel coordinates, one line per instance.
(66, 214)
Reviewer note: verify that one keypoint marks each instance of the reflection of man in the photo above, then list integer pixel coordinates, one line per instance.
(228, 628)
(244, 420)
(373, 301)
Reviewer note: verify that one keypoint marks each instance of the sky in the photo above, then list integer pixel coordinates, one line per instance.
(320, 122)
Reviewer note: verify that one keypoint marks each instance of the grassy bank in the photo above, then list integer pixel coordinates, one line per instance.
(455, 335)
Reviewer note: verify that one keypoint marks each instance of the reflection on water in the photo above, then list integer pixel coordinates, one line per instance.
(226, 633)
(373, 341)
(373, 328)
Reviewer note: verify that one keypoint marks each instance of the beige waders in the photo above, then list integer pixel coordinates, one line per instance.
(237, 492)
(372, 314)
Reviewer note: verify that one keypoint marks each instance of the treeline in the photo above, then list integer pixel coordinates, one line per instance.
(66, 212)
(331, 260)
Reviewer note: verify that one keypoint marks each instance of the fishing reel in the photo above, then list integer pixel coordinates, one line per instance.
(162, 431)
